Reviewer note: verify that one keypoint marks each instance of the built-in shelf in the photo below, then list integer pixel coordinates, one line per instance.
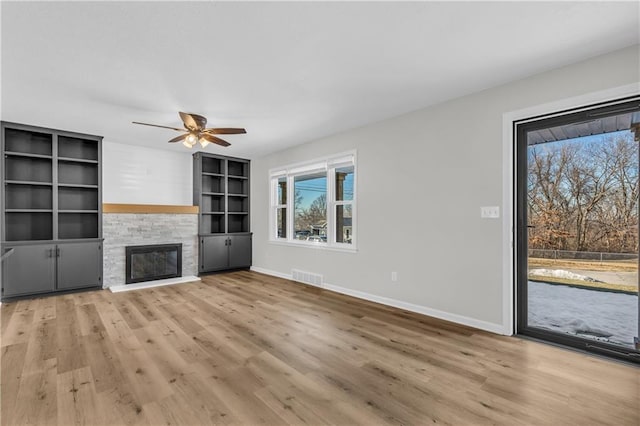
(27, 182)
(28, 169)
(77, 160)
(76, 185)
(237, 169)
(77, 149)
(50, 219)
(238, 186)
(28, 226)
(73, 225)
(26, 196)
(221, 189)
(78, 211)
(28, 210)
(34, 196)
(71, 172)
(221, 186)
(28, 141)
(26, 154)
(78, 199)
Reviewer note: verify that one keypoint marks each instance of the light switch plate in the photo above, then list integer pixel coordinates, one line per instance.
(490, 212)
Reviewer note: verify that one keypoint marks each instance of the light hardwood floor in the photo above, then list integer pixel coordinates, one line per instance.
(245, 348)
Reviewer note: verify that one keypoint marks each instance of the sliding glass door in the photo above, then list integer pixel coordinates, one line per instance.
(577, 217)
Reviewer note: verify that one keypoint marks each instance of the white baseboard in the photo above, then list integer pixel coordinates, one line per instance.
(150, 284)
(458, 319)
(270, 272)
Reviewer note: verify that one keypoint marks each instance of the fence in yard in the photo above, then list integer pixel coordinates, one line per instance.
(582, 255)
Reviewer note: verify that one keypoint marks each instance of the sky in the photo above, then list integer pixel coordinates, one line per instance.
(312, 188)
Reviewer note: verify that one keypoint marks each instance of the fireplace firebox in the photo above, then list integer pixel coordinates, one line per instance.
(153, 262)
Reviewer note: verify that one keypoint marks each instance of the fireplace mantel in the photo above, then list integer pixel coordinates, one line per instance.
(148, 208)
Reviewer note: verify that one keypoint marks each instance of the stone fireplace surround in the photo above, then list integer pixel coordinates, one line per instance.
(141, 224)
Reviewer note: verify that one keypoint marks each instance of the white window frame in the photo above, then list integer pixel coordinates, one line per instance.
(278, 206)
(325, 164)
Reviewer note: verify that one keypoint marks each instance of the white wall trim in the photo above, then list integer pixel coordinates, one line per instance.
(508, 169)
(270, 272)
(458, 319)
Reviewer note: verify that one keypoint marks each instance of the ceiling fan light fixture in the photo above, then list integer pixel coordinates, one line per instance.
(196, 131)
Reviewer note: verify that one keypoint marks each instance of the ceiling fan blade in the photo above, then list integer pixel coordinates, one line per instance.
(214, 139)
(193, 121)
(156, 125)
(225, 131)
(179, 138)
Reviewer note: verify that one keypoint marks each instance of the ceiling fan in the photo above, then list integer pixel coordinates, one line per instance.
(196, 131)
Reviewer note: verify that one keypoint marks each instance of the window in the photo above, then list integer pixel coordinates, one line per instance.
(281, 207)
(314, 203)
(344, 204)
(310, 207)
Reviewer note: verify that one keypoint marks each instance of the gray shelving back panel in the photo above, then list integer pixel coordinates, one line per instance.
(70, 147)
(28, 197)
(28, 169)
(29, 142)
(77, 173)
(77, 225)
(31, 226)
(70, 198)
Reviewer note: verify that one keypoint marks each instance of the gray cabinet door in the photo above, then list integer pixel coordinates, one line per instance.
(214, 253)
(79, 265)
(28, 269)
(239, 251)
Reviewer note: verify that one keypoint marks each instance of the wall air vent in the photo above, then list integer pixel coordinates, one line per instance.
(306, 277)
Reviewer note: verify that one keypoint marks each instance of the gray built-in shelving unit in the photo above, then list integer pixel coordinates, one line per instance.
(221, 190)
(51, 210)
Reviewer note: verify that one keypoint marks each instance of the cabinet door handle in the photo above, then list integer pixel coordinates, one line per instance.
(57, 251)
(229, 241)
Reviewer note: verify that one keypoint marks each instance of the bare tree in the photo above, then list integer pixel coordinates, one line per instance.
(584, 195)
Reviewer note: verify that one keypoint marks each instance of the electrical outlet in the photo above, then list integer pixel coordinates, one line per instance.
(394, 276)
(490, 212)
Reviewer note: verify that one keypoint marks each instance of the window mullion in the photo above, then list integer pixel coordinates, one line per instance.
(290, 207)
(273, 211)
(331, 202)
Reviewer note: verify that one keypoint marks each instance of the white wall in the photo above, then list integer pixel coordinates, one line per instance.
(422, 178)
(138, 175)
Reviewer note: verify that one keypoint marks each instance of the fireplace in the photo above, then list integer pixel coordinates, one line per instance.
(153, 262)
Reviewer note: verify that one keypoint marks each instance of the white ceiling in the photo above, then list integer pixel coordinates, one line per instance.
(289, 72)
